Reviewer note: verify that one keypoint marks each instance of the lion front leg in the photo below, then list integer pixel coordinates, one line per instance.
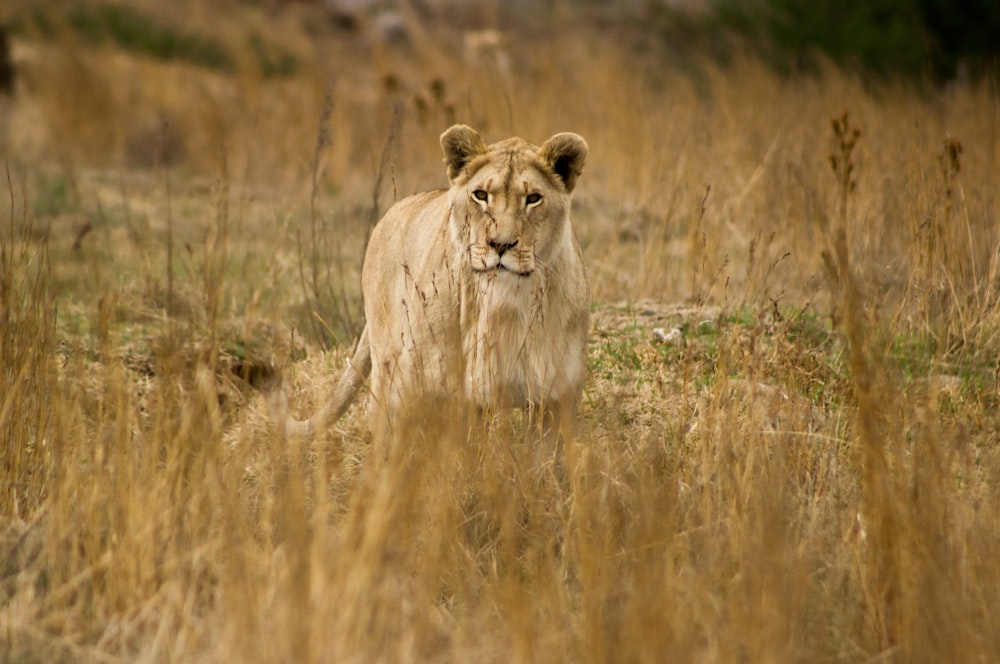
(550, 427)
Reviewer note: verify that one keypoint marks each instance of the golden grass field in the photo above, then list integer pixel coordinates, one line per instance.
(789, 444)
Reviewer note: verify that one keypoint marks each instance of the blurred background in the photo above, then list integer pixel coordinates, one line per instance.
(106, 77)
(302, 121)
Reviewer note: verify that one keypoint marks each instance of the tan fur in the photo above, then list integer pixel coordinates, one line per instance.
(484, 302)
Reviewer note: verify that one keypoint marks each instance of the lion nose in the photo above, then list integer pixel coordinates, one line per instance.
(502, 247)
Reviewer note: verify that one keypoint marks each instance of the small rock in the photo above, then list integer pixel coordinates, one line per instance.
(673, 337)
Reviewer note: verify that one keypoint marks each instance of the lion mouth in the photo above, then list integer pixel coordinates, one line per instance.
(492, 265)
(503, 268)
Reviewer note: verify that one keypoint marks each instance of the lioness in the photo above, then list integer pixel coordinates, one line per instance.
(477, 292)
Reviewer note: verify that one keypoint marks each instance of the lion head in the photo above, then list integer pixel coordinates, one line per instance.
(510, 200)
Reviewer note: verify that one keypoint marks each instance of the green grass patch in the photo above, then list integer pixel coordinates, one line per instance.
(136, 32)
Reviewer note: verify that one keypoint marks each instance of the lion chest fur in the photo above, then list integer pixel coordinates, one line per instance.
(523, 340)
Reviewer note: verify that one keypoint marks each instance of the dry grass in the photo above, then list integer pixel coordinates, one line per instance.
(788, 449)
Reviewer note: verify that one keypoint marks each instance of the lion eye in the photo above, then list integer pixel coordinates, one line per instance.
(531, 199)
(480, 195)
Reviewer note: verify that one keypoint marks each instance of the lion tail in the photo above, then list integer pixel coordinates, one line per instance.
(358, 369)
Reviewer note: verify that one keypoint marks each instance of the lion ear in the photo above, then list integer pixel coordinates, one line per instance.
(565, 154)
(461, 144)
